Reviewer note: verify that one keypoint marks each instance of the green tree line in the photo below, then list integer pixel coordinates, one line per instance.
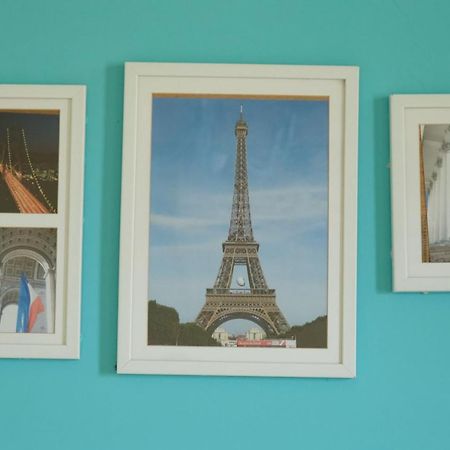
(310, 335)
(164, 328)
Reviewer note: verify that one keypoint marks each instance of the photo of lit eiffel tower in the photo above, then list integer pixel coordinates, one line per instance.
(252, 300)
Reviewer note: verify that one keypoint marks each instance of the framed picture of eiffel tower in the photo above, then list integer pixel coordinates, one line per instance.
(238, 234)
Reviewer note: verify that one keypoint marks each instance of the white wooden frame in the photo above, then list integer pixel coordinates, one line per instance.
(408, 112)
(340, 84)
(70, 101)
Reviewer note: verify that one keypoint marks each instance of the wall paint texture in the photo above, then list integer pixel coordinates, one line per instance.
(401, 397)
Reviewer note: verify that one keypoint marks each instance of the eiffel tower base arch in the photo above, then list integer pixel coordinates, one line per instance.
(222, 306)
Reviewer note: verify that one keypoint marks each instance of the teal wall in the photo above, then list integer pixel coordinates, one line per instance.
(400, 399)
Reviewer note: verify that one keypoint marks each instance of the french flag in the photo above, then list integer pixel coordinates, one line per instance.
(30, 306)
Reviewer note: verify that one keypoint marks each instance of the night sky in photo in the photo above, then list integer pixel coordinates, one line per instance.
(41, 131)
(41, 128)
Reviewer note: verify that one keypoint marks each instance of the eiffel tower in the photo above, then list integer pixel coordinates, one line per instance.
(252, 300)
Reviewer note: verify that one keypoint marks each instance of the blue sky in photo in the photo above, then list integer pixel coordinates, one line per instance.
(192, 174)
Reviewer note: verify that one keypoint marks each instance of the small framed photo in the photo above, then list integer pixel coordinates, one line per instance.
(41, 205)
(420, 165)
(238, 227)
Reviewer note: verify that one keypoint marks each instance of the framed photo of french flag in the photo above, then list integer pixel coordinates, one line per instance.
(41, 204)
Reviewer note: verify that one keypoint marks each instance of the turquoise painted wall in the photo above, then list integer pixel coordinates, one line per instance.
(401, 397)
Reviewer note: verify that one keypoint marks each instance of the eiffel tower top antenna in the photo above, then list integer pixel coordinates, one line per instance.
(240, 222)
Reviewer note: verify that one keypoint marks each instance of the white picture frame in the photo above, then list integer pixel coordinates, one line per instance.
(59, 227)
(414, 269)
(340, 85)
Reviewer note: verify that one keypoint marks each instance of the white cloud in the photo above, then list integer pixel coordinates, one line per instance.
(304, 204)
(180, 222)
(294, 203)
